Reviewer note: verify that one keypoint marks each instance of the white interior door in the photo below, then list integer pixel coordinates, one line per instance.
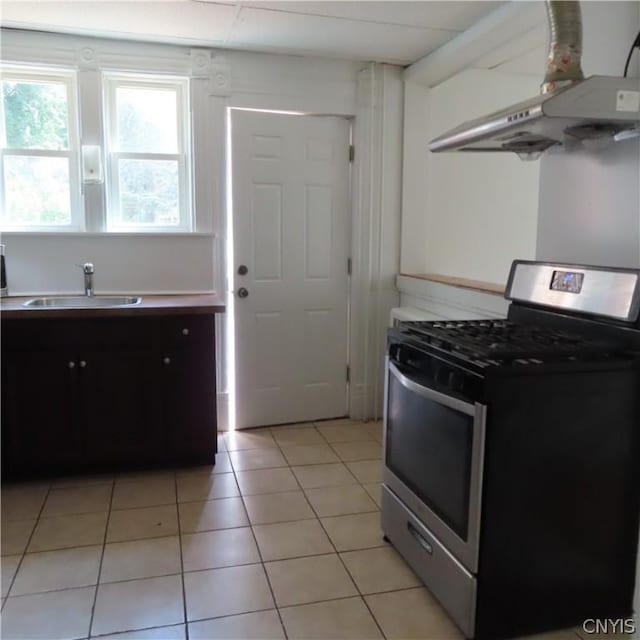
(291, 219)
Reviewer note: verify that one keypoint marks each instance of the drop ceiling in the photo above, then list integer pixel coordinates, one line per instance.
(393, 32)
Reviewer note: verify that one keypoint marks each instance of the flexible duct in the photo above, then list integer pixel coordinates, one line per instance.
(565, 44)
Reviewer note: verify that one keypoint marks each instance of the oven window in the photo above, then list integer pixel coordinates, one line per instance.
(429, 448)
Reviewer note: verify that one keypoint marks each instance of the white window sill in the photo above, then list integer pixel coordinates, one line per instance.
(109, 234)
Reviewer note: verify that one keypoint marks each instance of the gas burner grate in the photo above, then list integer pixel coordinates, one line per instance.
(498, 342)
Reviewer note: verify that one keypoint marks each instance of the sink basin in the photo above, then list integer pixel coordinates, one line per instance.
(83, 302)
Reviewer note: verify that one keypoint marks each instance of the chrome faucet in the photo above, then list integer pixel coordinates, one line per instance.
(88, 270)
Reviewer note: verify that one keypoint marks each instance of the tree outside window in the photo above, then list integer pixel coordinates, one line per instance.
(37, 148)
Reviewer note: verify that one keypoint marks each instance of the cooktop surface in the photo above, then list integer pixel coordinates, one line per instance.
(502, 342)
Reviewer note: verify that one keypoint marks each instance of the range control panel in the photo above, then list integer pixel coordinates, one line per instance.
(601, 291)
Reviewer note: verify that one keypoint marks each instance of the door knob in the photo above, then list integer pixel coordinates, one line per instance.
(242, 270)
(242, 292)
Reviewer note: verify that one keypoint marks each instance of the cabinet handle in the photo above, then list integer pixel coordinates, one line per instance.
(185, 332)
(166, 360)
(83, 364)
(71, 364)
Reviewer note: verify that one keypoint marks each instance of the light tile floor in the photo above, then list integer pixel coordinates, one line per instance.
(280, 539)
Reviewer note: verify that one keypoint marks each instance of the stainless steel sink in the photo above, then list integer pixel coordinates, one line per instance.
(83, 302)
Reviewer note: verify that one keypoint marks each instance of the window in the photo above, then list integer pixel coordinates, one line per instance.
(39, 175)
(120, 163)
(147, 155)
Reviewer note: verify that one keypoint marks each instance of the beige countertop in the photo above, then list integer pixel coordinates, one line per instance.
(151, 305)
(475, 285)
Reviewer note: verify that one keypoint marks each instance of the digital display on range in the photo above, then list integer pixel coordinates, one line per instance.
(569, 281)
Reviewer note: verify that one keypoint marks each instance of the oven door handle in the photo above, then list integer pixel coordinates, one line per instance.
(420, 539)
(431, 394)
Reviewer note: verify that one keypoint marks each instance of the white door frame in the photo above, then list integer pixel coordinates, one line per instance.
(375, 220)
(230, 248)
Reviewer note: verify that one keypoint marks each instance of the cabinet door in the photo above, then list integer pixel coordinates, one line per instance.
(186, 359)
(189, 403)
(40, 422)
(120, 407)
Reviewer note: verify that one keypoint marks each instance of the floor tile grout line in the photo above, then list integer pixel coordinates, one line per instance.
(340, 557)
(314, 427)
(353, 580)
(288, 606)
(111, 633)
(266, 574)
(104, 545)
(311, 555)
(313, 517)
(75, 546)
(26, 546)
(289, 466)
(242, 613)
(235, 615)
(212, 476)
(87, 586)
(184, 589)
(262, 564)
(205, 569)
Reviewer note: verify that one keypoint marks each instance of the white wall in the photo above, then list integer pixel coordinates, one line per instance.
(590, 202)
(376, 239)
(170, 263)
(465, 215)
(371, 94)
(415, 186)
(590, 207)
(45, 264)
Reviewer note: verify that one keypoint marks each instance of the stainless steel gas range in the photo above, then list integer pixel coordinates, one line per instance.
(512, 449)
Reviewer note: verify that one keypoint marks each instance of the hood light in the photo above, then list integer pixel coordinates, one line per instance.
(529, 156)
(626, 134)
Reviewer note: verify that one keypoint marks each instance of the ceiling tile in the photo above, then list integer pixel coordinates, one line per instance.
(260, 29)
(533, 40)
(395, 32)
(173, 22)
(530, 63)
(456, 16)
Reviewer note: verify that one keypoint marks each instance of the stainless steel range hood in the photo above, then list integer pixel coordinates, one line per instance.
(595, 110)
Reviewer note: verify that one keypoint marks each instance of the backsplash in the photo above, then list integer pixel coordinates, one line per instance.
(43, 264)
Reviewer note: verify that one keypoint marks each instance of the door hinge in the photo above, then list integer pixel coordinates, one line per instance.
(348, 373)
(348, 266)
(352, 153)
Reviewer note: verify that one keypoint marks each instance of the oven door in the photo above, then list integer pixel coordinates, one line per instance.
(433, 458)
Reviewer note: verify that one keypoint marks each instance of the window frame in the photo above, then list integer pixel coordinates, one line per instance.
(111, 82)
(68, 78)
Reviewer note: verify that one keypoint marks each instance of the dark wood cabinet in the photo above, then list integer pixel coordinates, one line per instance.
(39, 416)
(107, 393)
(119, 407)
(184, 376)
